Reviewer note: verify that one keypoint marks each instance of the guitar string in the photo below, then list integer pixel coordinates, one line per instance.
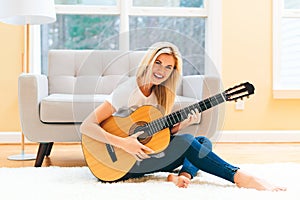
(161, 123)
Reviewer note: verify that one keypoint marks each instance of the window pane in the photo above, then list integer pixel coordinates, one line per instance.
(290, 52)
(291, 4)
(169, 3)
(80, 32)
(87, 2)
(187, 33)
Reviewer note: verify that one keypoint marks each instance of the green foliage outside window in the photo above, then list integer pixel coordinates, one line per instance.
(102, 31)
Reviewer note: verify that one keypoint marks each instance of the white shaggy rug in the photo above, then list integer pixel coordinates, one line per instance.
(78, 183)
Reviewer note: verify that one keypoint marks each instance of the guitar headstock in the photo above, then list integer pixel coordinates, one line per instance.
(239, 92)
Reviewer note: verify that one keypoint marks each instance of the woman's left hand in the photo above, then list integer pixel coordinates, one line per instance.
(193, 118)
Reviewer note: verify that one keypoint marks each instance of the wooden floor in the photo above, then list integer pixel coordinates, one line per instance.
(70, 155)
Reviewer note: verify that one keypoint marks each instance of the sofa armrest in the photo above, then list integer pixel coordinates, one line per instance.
(192, 86)
(32, 89)
(202, 87)
(211, 119)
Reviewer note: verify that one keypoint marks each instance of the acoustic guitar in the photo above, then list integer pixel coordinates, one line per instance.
(109, 163)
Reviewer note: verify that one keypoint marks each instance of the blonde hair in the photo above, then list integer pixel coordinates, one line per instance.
(166, 91)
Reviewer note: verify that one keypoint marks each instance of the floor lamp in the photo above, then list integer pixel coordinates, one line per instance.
(26, 13)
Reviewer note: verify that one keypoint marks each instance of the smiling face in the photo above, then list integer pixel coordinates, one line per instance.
(162, 68)
(159, 72)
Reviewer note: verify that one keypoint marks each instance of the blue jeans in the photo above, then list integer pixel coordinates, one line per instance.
(187, 166)
(190, 152)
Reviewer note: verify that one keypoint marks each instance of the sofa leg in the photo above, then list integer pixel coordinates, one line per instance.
(49, 148)
(44, 148)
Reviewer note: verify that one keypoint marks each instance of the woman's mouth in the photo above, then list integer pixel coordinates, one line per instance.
(158, 76)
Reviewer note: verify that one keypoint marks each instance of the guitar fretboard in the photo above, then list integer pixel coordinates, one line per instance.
(180, 115)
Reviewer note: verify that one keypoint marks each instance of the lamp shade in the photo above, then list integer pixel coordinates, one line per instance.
(22, 12)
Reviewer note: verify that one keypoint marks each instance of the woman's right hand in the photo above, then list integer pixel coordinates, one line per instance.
(135, 148)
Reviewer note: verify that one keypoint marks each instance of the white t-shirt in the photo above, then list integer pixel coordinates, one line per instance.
(129, 96)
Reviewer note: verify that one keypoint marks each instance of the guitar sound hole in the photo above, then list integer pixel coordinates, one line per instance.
(139, 126)
(144, 138)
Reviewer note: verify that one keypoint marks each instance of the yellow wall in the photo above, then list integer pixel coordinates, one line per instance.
(11, 40)
(247, 56)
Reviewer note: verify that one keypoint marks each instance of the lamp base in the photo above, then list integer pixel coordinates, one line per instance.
(22, 156)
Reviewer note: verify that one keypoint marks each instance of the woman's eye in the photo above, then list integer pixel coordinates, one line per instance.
(157, 62)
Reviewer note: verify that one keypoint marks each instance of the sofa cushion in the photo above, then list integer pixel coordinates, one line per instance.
(68, 108)
(77, 69)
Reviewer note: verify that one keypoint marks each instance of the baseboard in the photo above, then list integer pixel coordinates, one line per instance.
(11, 137)
(258, 136)
(223, 136)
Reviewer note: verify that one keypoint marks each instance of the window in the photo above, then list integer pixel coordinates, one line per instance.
(86, 2)
(69, 33)
(286, 49)
(136, 24)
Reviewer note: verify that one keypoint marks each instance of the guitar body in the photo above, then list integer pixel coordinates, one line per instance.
(100, 160)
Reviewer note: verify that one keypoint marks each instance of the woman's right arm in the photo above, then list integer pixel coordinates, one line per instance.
(90, 127)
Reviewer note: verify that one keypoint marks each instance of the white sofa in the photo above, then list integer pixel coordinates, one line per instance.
(53, 106)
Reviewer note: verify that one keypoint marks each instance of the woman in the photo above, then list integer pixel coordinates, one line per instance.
(155, 84)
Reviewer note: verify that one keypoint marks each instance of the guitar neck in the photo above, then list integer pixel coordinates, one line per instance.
(182, 114)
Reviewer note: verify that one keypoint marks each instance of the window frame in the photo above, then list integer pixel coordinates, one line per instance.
(212, 11)
(279, 12)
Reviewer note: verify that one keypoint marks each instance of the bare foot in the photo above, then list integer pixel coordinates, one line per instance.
(244, 180)
(180, 181)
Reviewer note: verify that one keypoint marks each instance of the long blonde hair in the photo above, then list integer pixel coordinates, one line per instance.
(166, 91)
